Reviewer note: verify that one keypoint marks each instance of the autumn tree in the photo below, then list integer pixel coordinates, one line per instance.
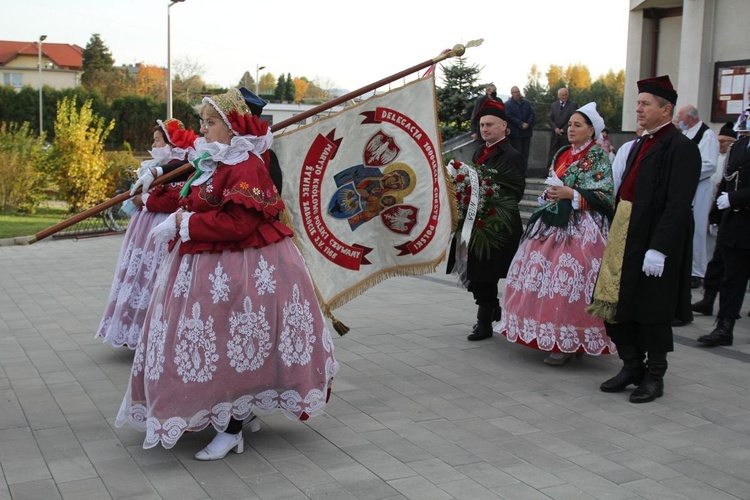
(456, 97)
(77, 161)
(267, 84)
(151, 81)
(300, 88)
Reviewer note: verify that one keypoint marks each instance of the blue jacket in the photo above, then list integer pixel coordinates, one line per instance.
(519, 113)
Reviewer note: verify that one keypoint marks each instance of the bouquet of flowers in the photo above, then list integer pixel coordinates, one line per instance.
(495, 205)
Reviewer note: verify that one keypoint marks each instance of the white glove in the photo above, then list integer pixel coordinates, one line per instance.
(164, 232)
(145, 180)
(653, 263)
(713, 230)
(722, 201)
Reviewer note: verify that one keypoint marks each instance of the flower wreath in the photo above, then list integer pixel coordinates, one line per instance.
(495, 207)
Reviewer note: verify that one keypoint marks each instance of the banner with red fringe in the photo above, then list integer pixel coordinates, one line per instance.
(368, 193)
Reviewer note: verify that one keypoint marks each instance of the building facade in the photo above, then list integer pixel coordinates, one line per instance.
(61, 64)
(692, 41)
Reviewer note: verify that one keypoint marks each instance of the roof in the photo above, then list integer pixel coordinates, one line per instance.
(63, 55)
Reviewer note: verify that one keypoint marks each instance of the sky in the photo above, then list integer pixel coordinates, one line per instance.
(334, 42)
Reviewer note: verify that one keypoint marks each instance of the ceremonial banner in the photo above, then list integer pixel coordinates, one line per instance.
(367, 192)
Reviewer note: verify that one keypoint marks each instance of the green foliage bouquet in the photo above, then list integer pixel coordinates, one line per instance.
(495, 206)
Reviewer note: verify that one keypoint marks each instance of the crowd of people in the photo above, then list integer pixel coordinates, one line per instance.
(214, 297)
(607, 262)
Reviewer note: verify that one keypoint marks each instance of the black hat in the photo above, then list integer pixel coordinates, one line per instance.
(494, 108)
(728, 130)
(253, 102)
(660, 86)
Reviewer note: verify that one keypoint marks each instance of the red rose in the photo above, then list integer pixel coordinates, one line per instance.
(460, 178)
(458, 196)
(456, 164)
(467, 190)
(487, 182)
(466, 200)
(492, 211)
(480, 223)
(489, 192)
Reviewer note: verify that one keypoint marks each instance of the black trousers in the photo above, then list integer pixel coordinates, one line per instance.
(734, 280)
(485, 294)
(655, 338)
(714, 271)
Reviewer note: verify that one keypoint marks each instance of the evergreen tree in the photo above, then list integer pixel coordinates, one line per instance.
(247, 81)
(290, 92)
(97, 62)
(456, 98)
(280, 90)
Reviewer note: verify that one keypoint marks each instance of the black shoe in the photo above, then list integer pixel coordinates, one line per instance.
(696, 282)
(721, 336)
(619, 382)
(704, 306)
(481, 332)
(679, 322)
(648, 390)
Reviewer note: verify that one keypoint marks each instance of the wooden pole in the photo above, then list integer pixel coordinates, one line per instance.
(457, 50)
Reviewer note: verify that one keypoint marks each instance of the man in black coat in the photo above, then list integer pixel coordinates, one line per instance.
(732, 213)
(644, 281)
(483, 273)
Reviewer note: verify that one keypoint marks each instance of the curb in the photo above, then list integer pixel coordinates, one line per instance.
(18, 240)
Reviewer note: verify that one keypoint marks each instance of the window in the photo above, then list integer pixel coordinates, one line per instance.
(13, 79)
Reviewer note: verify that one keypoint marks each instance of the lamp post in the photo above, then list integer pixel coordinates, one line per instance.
(41, 84)
(169, 59)
(257, 75)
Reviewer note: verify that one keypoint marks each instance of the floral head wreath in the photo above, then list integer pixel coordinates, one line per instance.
(227, 103)
(176, 133)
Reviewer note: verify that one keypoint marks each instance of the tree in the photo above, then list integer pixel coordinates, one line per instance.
(99, 73)
(267, 84)
(316, 91)
(247, 81)
(290, 92)
(456, 97)
(300, 88)
(151, 81)
(188, 79)
(77, 160)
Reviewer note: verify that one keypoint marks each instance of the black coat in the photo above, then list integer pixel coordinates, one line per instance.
(662, 220)
(734, 222)
(496, 265)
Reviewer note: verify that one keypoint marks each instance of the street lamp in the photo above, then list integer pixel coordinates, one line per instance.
(41, 83)
(257, 75)
(169, 59)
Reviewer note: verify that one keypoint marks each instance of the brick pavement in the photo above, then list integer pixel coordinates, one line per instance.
(417, 411)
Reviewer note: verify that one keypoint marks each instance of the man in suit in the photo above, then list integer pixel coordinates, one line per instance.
(559, 115)
(733, 241)
(521, 118)
(644, 279)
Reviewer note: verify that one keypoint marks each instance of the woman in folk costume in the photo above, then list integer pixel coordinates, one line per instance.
(552, 276)
(140, 256)
(234, 325)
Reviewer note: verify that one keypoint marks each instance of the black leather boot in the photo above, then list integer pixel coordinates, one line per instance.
(483, 328)
(497, 314)
(632, 372)
(706, 304)
(723, 334)
(652, 386)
